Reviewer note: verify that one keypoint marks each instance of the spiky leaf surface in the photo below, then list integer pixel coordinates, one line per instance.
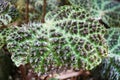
(81, 31)
(13, 12)
(23, 42)
(108, 11)
(114, 54)
(51, 5)
(3, 5)
(68, 13)
(5, 19)
(110, 67)
(8, 13)
(68, 39)
(1, 41)
(4, 33)
(82, 3)
(113, 39)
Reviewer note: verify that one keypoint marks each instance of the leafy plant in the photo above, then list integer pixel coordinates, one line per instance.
(72, 37)
(57, 41)
(51, 46)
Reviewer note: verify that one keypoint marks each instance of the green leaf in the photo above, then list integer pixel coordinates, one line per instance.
(68, 13)
(108, 11)
(113, 39)
(68, 39)
(1, 41)
(13, 13)
(8, 13)
(51, 5)
(5, 19)
(110, 67)
(3, 6)
(82, 3)
(80, 33)
(4, 33)
(114, 54)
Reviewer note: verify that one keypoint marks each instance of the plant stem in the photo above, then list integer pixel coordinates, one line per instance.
(44, 11)
(27, 11)
(23, 72)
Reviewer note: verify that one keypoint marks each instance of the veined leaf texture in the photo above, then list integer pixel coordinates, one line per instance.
(70, 41)
(72, 37)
